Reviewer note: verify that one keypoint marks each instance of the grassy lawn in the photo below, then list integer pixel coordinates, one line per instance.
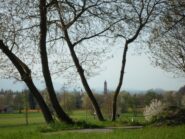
(12, 126)
(19, 119)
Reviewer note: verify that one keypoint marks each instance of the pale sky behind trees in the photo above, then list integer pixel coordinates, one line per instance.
(140, 76)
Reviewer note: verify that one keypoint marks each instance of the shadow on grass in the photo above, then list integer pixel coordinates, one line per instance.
(63, 126)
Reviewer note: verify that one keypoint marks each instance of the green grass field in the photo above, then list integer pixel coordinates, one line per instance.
(12, 126)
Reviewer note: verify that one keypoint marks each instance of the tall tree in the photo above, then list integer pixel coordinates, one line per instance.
(80, 21)
(21, 32)
(45, 67)
(139, 15)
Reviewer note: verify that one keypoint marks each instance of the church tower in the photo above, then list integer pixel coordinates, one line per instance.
(105, 87)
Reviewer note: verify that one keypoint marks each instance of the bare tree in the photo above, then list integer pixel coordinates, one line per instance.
(79, 21)
(44, 60)
(24, 26)
(20, 29)
(10, 23)
(167, 45)
(140, 16)
(25, 73)
(74, 23)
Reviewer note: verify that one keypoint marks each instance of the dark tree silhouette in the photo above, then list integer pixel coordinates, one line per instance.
(45, 68)
(141, 14)
(25, 73)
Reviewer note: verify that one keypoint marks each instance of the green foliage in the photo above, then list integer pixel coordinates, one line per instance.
(150, 95)
(68, 101)
(171, 115)
(160, 113)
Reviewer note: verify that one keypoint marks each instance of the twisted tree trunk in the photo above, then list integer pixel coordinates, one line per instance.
(25, 73)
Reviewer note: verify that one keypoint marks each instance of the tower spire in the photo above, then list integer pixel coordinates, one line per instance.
(105, 87)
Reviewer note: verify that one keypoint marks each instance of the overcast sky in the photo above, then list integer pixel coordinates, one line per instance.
(139, 75)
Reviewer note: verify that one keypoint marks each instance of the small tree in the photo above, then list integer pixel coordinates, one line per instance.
(31, 100)
(67, 101)
(18, 102)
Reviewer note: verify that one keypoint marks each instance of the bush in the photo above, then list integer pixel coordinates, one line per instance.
(183, 101)
(159, 113)
(153, 110)
(171, 115)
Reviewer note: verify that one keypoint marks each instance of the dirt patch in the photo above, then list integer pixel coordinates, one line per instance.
(97, 130)
(92, 130)
(126, 127)
(107, 129)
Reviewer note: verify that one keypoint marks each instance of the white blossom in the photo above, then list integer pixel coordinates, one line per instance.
(154, 109)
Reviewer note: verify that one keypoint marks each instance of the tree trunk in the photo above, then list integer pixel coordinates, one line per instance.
(26, 77)
(45, 67)
(79, 68)
(45, 110)
(85, 83)
(116, 93)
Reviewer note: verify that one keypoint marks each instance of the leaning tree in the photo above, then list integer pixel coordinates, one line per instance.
(20, 22)
(80, 21)
(25, 74)
(24, 22)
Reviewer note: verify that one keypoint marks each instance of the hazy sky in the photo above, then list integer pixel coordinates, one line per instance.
(139, 75)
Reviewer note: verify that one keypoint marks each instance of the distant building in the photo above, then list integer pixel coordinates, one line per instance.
(6, 109)
(105, 88)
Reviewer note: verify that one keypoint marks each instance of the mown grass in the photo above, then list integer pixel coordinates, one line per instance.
(146, 133)
(12, 126)
(35, 118)
(19, 119)
(31, 132)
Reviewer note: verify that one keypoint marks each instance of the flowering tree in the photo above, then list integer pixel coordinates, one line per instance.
(154, 109)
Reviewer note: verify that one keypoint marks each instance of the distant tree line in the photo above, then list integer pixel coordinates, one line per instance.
(74, 100)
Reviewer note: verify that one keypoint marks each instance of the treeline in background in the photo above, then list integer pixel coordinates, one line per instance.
(135, 103)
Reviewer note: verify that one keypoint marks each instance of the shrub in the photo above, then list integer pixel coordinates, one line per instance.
(153, 110)
(183, 101)
(160, 114)
(171, 115)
